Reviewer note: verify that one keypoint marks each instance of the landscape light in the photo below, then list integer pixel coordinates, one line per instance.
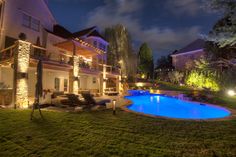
(231, 92)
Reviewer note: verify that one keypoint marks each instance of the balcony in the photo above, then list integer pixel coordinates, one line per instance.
(56, 58)
(8, 53)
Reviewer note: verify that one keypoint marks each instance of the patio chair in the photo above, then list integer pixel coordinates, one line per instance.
(91, 101)
(72, 101)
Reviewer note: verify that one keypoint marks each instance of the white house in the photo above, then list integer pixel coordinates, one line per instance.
(72, 62)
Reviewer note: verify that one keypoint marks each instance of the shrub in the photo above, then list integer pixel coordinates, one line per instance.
(175, 77)
(199, 79)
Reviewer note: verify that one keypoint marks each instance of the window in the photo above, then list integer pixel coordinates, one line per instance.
(94, 80)
(57, 84)
(35, 24)
(65, 85)
(30, 22)
(26, 20)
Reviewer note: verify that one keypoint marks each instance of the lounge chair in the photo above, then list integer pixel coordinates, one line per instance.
(91, 101)
(72, 101)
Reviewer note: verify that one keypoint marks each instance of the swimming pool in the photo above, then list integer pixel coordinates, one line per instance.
(159, 105)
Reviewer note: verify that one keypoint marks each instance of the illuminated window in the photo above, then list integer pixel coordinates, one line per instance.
(57, 84)
(94, 80)
(65, 85)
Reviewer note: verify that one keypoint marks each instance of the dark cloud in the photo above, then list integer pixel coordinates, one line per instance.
(162, 40)
(183, 7)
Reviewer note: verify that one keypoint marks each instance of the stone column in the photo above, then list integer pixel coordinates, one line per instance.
(21, 67)
(74, 73)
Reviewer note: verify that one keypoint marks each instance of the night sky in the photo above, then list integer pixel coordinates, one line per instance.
(165, 25)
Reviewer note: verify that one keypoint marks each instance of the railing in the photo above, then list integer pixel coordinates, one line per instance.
(7, 53)
(86, 66)
(57, 58)
(42, 53)
(110, 69)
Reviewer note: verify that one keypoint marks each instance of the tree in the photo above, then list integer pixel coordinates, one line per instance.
(145, 57)
(202, 64)
(120, 51)
(164, 62)
(223, 33)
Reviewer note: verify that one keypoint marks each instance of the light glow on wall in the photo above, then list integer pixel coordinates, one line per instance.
(22, 93)
(75, 87)
(22, 68)
(76, 66)
(76, 75)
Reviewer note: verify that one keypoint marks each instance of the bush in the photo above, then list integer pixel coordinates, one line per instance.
(175, 77)
(199, 79)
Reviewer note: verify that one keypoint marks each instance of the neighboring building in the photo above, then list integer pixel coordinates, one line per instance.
(72, 62)
(184, 58)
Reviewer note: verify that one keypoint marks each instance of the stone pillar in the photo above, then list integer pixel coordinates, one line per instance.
(75, 74)
(21, 67)
(104, 79)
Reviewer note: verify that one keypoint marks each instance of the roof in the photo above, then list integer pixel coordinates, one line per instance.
(195, 45)
(60, 31)
(84, 32)
(92, 31)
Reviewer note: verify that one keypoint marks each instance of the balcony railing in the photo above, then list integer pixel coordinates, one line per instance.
(56, 58)
(7, 53)
(42, 53)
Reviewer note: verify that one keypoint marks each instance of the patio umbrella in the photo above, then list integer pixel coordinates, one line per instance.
(39, 84)
(38, 88)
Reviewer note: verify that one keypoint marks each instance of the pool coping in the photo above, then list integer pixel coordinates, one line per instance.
(232, 115)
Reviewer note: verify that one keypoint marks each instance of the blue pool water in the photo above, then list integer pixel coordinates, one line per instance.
(160, 105)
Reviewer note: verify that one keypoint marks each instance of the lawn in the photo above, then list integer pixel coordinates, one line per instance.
(99, 133)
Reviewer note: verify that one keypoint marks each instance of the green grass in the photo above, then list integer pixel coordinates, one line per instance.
(99, 133)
